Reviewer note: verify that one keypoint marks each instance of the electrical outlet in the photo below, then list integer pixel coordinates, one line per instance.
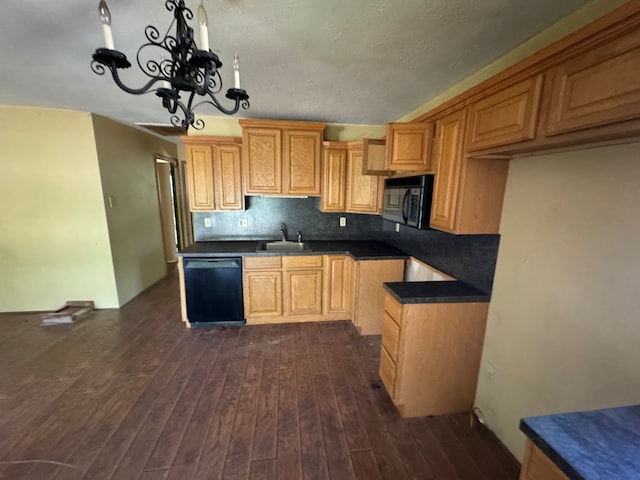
(491, 370)
(243, 222)
(397, 227)
(207, 222)
(343, 221)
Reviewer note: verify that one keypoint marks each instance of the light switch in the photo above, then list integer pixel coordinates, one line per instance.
(207, 222)
(112, 201)
(343, 221)
(397, 227)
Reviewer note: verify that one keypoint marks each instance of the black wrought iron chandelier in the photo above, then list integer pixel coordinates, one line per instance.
(180, 67)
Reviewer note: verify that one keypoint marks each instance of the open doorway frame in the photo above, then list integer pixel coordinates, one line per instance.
(175, 219)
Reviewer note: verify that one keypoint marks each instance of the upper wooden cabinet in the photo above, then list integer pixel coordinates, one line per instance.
(227, 178)
(213, 173)
(345, 187)
(599, 87)
(334, 177)
(281, 158)
(408, 147)
(374, 157)
(448, 153)
(468, 192)
(506, 117)
(364, 192)
(262, 160)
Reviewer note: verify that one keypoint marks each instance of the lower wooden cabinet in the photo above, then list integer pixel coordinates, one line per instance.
(297, 288)
(262, 294)
(262, 288)
(430, 355)
(338, 286)
(369, 291)
(537, 466)
(303, 285)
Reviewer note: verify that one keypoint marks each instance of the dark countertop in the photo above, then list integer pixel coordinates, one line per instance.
(358, 249)
(450, 291)
(592, 445)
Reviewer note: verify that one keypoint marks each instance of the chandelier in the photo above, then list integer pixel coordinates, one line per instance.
(182, 75)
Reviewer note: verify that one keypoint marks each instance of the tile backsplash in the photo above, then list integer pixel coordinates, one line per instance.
(469, 258)
(265, 214)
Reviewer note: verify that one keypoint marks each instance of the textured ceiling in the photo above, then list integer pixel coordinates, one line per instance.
(342, 61)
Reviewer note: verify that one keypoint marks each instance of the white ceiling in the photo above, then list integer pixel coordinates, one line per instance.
(341, 61)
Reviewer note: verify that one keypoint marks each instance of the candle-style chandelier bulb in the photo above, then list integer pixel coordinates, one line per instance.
(186, 75)
(203, 20)
(105, 14)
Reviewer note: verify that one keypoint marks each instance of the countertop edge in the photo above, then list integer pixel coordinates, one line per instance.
(480, 297)
(557, 459)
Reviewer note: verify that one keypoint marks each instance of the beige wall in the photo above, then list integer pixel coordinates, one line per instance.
(54, 244)
(127, 168)
(563, 331)
(339, 132)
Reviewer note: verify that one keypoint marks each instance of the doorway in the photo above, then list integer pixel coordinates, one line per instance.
(174, 217)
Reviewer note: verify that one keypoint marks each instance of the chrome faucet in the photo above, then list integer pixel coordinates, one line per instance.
(283, 231)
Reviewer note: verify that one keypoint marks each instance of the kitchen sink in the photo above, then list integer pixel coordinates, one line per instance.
(283, 246)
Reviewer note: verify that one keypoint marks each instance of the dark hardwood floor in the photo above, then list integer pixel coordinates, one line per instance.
(133, 394)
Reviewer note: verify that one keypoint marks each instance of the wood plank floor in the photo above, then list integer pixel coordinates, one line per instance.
(132, 394)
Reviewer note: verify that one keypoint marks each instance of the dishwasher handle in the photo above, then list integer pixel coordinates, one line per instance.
(232, 263)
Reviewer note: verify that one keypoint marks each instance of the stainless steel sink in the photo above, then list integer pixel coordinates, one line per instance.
(283, 246)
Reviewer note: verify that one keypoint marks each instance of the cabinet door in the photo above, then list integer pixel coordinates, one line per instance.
(333, 180)
(303, 292)
(262, 160)
(369, 294)
(227, 178)
(200, 177)
(302, 162)
(506, 117)
(537, 466)
(409, 146)
(363, 191)
(448, 167)
(598, 88)
(338, 277)
(263, 294)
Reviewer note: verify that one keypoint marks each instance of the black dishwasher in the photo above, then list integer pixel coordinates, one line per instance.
(213, 290)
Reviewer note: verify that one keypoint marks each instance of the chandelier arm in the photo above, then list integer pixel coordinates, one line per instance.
(187, 70)
(214, 101)
(135, 91)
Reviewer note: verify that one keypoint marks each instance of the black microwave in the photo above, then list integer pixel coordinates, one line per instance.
(407, 200)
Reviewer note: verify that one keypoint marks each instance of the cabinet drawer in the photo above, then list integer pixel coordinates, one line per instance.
(262, 263)
(302, 261)
(390, 336)
(387, 371)
(393, 308)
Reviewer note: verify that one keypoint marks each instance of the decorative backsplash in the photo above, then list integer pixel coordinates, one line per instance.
(468, 258)
(265, 214)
